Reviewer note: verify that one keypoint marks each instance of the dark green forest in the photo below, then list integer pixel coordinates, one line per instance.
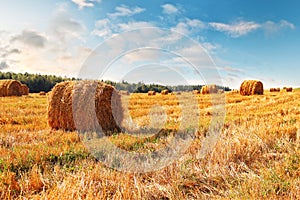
(38, 82)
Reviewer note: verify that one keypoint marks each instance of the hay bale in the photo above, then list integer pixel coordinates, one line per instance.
(91, 106)
(209, 89)
(42, 93)
(25, 89)
(289, 89)
(220, 91)
(251, 87)
(151, 93)
(10, 87)
(164, 92)
(274, 89)
(196, 91)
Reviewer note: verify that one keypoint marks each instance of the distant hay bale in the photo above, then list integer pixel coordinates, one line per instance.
(220, 91)
(209, 89)
(42, 93)
(289, 89)
(164, 92)
(10, 87)
(25, 89)
(151, 93)
(91, 106)
(234, 91)
(196, 91)
(251, 87)
(274, 89)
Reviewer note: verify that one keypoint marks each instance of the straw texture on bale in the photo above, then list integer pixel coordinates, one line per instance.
(10, 88)
(90, 106)
(164, 92)
(251, 87)
(196, 91)
(274, 89)
(289, 89)
(151, 93)
(42, 93)
(25, 89)
(209, 89)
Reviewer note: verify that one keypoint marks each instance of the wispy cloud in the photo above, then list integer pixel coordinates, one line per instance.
(242, 28)
(272, 27)
(123, 10)
(236, 29)
(169, 9)
(85, 3)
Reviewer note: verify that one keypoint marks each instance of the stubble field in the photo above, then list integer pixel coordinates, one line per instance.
(257, 154)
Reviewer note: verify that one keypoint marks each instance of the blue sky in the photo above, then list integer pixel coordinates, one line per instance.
(258, 39)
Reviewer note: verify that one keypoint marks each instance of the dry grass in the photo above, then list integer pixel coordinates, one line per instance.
(256, 157)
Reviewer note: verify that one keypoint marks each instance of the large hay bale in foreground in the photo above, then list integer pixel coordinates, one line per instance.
(25, 89)
(10, 87)
(209, 89)
(251, 87)
(90, 106)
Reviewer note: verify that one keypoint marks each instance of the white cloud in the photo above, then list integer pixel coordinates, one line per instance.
(122, 11)
(242, 28)
(188, 26)
(169, 9)
(103, 28)
(85, 3)
(134, 25)
(236, 29)
(272, 27)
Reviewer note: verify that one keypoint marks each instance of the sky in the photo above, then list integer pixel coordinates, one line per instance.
(166, 42)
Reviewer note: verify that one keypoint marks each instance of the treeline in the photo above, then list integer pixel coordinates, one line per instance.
(38, 82)
(35, 82)
(144, 88)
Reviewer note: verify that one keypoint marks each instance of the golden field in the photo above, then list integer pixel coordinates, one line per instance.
(257, 155)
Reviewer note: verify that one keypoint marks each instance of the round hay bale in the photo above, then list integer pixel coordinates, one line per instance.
(90, 106)
(220, 91)
(25, 89)
(274, 89)
(209, 89)
(289, 89)
(151, 93)
(10, 87)
(251, 87)
(164, 92)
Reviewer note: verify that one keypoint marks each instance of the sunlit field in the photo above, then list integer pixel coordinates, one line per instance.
(257, 154)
